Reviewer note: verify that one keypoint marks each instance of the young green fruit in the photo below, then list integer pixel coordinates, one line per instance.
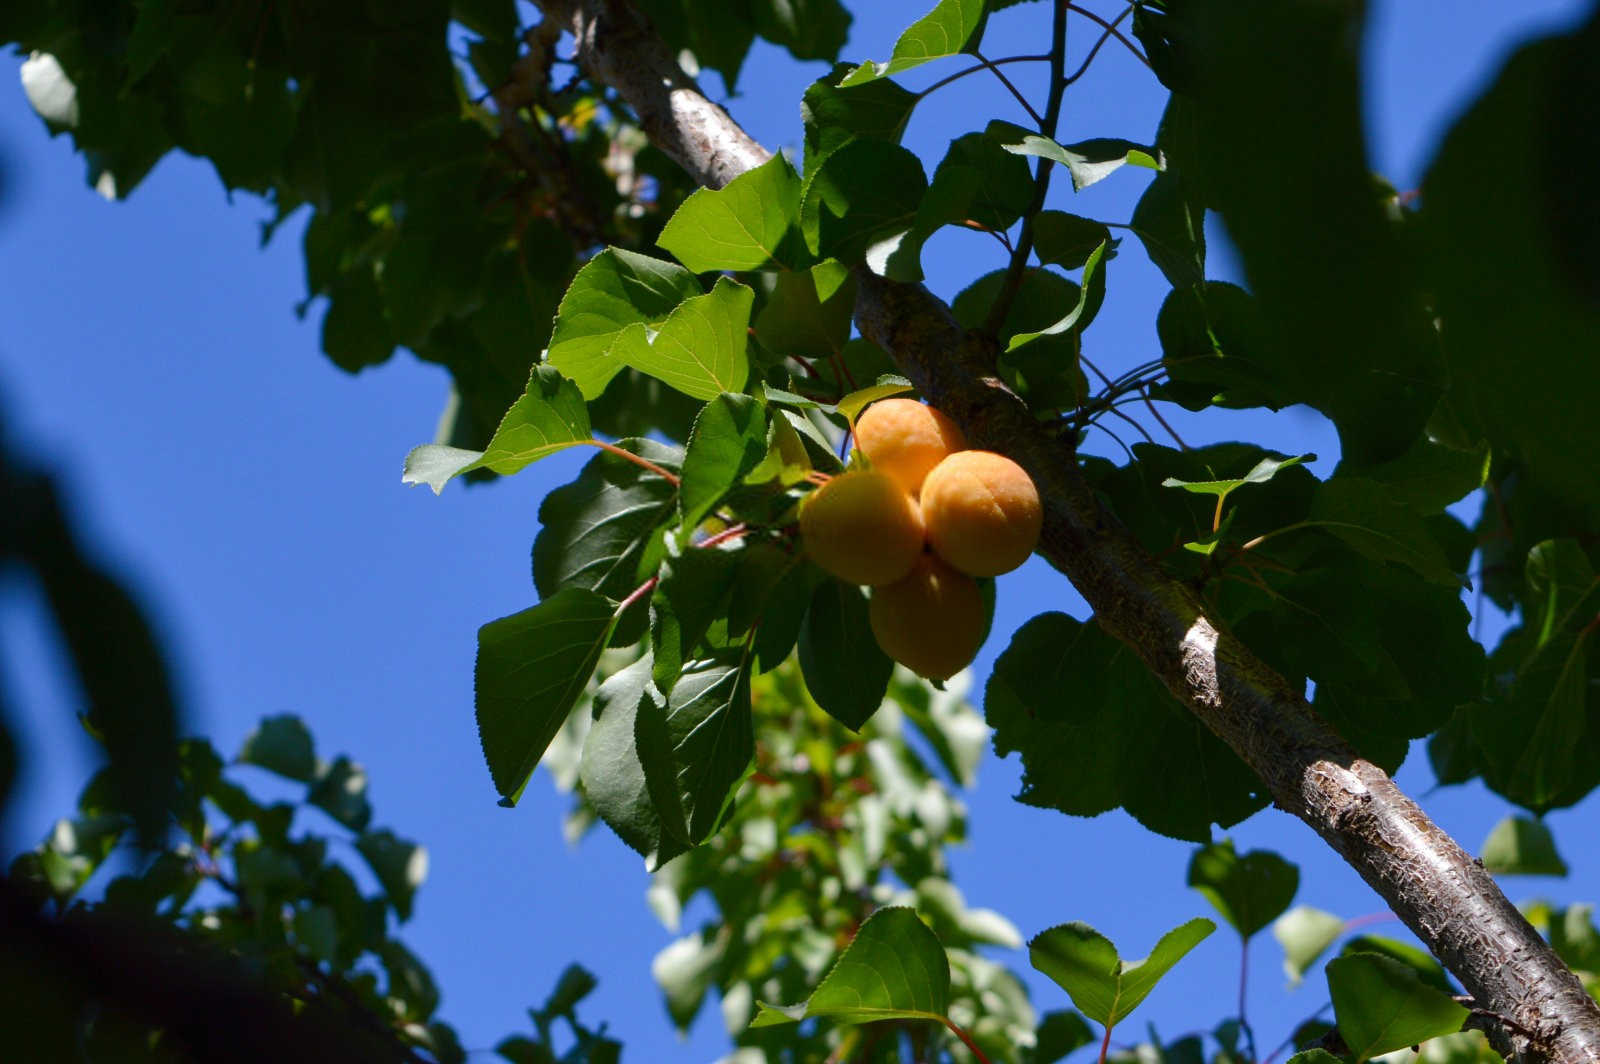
(982, 512)
(906, 439)
(862, 527)
(931, 620)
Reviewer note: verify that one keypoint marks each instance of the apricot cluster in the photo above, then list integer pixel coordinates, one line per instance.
(917, 522)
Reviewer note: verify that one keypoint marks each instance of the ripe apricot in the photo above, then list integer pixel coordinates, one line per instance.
(905, 439)
(862, 527)
(982, 512)
(931, 621)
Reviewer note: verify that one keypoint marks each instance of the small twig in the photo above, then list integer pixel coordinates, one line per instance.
(1157, 415)
(638, 460)
(1023, 100)
(1112, 28)
(1041, 178)
(966, 1040)
(987, 64)
(1104, 37)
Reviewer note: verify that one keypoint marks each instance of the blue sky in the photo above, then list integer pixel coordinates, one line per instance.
(253, 491)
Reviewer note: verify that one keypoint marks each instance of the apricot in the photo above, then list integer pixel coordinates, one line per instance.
(862, 527)
(905, 439)
(982, 512)
(931, 621)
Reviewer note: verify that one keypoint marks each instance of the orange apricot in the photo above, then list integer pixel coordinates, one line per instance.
(905, 439)
(982, 512)
(931, 621)
(862, 527)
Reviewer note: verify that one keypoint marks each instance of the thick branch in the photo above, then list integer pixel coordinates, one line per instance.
(1440, 892)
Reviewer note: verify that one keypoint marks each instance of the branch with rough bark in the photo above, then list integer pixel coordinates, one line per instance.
(1539, 1009)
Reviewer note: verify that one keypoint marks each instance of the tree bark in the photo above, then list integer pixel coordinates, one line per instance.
(1532, 1006)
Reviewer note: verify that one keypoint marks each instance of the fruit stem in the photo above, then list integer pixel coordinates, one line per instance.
(641, 462)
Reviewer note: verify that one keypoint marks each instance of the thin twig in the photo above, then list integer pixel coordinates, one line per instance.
(1112, 27)
(966, 1040)
(988, 64)
(1023, 100)
(1157, 415)
(1041, 179)
(638, 460)
(1104, 36)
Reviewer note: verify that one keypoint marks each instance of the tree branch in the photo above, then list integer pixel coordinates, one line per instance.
(1434, 886)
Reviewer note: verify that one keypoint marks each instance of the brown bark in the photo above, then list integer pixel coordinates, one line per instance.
(1533, 1006)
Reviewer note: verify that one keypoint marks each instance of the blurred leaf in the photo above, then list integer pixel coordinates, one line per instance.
(283, 745)
(810, 29)
(1382, 1006)
(1085, 964)
(894, 968)
(400, 865)
(1249, 891)
(340, 790)
(1305, 934)
(684, 971)
(1520, 846)
(531, 668)
(943, 31)
(1059, 1033)
(751, 223)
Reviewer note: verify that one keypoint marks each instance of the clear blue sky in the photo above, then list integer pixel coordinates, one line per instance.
(253, 490)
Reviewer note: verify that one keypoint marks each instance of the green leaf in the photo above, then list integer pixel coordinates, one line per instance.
(627, 768)
(1090, 296)
(708, 723)
(1532, 294)
(1087, 161)
(1249, 891)
(1260, 473)
(1363, 514)
(728, 441)
(752, 223)
(1381, 1005)
(692, 592)
(1315, 1056)
(282, 745)
(1172, 229)
(844, 670)
(852, 405)
(1068, 241)
(894, 969)
(1059, 1033)
(400, 865)
(531, 668)
(1305, 934)
(863, 197)
(340, 790)
(1419, 960)
(1046, 371)
(810, 29)
(1431, 476)
(808, 313)
(1097, 731)
(1560, 581)
(833, 116)
(1105, 988)
(701, 347)
(599, 530)
(1214, 346)
(550, 417)
(941, 32)
(1520, 846)
(980, 181)
(614, 291)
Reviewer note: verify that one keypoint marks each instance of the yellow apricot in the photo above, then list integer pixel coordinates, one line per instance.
(982, 512)
(931, 621)
(905, 439)
(862, 527)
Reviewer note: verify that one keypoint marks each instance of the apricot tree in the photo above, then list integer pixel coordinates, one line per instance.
(603, 257)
